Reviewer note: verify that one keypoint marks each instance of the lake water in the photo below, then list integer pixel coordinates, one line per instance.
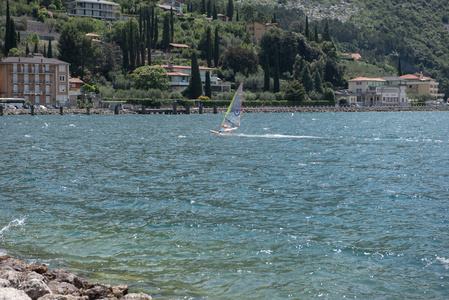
(327, 205)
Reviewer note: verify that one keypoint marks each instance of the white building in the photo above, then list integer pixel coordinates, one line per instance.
(92, 8)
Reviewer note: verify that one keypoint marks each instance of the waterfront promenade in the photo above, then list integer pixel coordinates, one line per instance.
(196, 110)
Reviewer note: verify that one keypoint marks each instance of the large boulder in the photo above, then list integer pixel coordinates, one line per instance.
(11, 293)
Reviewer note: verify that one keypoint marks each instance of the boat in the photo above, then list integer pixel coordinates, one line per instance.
(231, 120)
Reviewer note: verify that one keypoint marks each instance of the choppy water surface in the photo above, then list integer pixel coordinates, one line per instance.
(305, 205)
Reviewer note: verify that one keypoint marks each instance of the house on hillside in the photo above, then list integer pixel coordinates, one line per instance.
(179, 76)
(173, 46)
(176, 5)
(350, 56)
(36, 79)
(385, 91)
(99, 9)
(257, 29)
(222, 17)
(422, 84)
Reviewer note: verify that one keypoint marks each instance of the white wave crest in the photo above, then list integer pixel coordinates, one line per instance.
(13, 223)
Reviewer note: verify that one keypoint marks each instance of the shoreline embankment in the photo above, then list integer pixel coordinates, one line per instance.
(20, 281)
(208, 110)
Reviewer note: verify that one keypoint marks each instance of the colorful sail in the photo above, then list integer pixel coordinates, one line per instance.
(231, 120)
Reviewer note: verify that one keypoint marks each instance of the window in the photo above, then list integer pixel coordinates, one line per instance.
(62, 88)
(36, 99)
(47, 99)
(62, 78)
(61, 68)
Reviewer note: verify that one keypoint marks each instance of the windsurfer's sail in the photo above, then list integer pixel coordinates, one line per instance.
(231, 120)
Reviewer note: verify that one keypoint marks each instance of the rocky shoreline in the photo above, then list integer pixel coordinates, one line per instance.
(20, 281)
(196, 110)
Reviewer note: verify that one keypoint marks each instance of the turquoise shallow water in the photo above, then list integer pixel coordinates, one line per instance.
(324, 205)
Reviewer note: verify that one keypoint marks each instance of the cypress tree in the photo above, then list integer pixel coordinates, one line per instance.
(216, 47)
(318, 83)
(156, 31)
(326, 33)
(400, 73)
(266, 86)
(172, 27)
(166, 34)
(230, 9)
(209, 47)
(214, 14)
(132, 48)
(307, 79)
(125, 50)
(36, 48)
(274, 18)
(209, 11)
(203, 7)
(208, 86)
(317, 39)
(195, 86)
(237, 15)
(149, 32)
(49, 50)
(276, 76)
(18, 37)
(306, 31)
(27, 50)
(8, 32)
(45, 51)
(141, 57)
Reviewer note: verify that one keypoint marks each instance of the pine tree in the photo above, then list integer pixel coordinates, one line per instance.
(209, 47)
(266, 86)
(276, 76)
(216, 47)
(195, 86)
(230, 9)
(208, 88)
(49, 50)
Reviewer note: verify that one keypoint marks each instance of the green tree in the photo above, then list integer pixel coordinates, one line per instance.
(326, 34)
(36, 47)
(49, 50)
(208, 89)
(295, 92)
(195, 85)
(209, 10)
(209, 49)
(216, 47)
(230, 9)
(306, 31)
(240, 59)
(166, 33)
(399, 67)
(266, 86)
(10, 32)
(276, 75)
(307, 79)
(318, 83)
(69, 48)
(214, 14)
(148, 77)
(203, 7)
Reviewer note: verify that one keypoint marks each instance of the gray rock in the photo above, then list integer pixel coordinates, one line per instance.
(4, 283)
(34, 287)
(63, 288)
(137, 296)
(62, 297)
(13, 294)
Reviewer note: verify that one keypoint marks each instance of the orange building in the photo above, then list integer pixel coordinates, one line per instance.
(257, 29)
(36, 79)
(422, 84)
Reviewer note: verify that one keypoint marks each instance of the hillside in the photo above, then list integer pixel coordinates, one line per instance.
(380, 30)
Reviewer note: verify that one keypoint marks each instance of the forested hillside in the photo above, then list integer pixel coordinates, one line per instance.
(382, 31)
(313, 35)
